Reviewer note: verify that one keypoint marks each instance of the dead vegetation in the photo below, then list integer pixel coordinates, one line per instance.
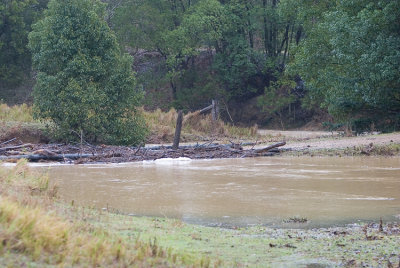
(196, 127)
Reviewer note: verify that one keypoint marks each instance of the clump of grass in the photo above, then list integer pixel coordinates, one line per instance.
(296, 219)
(18, 113)
(21, 184)
(391, 149)
(250, 132)
(17, 122)
(161, 125)
(195, 127)
(30, 231)
(386, 150)
(51, 240)
(31, 228)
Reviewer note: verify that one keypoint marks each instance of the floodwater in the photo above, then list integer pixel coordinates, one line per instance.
(325, 191)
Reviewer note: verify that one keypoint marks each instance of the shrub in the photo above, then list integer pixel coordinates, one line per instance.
(84, 83)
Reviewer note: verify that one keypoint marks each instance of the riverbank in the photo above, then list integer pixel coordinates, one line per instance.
(38, 229)
(290, 145)
(372, 144)
(80, 154)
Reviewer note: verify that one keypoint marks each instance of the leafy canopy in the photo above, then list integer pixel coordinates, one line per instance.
(351, 60)
(84, 84)
(16, 17)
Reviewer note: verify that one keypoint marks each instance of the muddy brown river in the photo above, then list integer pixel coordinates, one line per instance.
(325, 191)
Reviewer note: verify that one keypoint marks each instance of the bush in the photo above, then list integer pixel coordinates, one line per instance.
(84, 83)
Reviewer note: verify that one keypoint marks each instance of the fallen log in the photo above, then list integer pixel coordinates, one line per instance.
(198, 112)
(206, 109)
(38, 157)
(248, 143)
(16, 147)
(266, 149)
(3, 143)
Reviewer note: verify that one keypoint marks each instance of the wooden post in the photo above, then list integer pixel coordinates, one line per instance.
(178, 129)
(215, 110)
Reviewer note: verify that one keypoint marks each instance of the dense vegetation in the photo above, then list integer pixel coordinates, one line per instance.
(84, 84)
(284, 57)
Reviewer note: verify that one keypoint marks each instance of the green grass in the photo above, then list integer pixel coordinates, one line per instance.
(264, 247)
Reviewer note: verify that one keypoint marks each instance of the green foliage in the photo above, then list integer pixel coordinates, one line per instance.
(347, 53)
(84, 84)
(278, 97)
(242, 39)
(199, 86)
(16, 17)
(140, 25)
(351, 60)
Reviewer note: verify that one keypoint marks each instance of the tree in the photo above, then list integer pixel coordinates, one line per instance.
(84, 84)
(232, 48)
(279, 97)
(16, 17)
(351, 60)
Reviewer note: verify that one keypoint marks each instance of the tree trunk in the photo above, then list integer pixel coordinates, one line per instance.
(266, 31)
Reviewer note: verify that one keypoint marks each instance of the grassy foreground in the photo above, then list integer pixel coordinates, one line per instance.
(38, 230)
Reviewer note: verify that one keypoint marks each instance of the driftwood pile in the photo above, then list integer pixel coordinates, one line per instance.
(117, 154)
